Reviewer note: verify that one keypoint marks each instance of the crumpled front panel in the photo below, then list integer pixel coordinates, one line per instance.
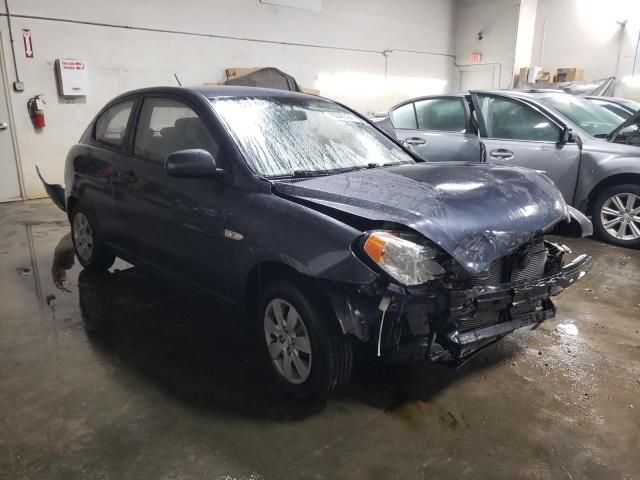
(475, 212)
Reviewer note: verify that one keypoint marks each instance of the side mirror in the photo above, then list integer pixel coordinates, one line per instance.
(566, 136)
(192, 163)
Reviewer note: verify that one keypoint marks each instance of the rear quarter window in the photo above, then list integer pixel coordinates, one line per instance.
(404, 117)
(111, 125)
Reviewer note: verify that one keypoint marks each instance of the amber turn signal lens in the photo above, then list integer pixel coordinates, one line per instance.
(374, 246)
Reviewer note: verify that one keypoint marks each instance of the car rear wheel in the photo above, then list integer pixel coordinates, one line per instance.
(616, 215)
(310, 356)
(91, 252)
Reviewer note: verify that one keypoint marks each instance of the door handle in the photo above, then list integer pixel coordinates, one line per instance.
(501, 153)
(3, 126)
(414, 141)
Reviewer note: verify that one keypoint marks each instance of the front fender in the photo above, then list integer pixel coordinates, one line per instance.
(310, 242)
(595, 171)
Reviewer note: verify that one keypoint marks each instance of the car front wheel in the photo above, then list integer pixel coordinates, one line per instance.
(308, 353)
(616, 215)
(91, 252)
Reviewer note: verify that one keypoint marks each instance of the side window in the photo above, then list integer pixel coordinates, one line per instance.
(441, 114)
(404, 117)
(111, 126)
(512, 120)
(166, 126)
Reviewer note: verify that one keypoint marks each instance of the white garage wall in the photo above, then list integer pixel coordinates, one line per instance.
(584, 33)
(353, 70)
(526, 31)
(497, 20)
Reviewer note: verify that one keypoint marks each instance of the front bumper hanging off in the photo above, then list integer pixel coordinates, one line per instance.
(465, 303)
(446, 342)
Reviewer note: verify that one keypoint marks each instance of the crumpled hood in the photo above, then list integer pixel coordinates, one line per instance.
(475, 212)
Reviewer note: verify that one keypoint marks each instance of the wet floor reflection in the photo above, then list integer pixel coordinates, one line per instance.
(207, 353)
(124, 375)
(568, 328)
(63, 260)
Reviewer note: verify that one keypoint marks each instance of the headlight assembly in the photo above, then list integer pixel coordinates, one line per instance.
(403, 256)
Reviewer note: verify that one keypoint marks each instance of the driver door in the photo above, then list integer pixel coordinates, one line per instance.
(176, 224)
(520, 133)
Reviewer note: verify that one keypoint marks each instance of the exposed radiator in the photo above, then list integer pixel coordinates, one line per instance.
(515, 269)
(532, 267)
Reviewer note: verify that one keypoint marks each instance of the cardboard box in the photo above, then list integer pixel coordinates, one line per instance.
(569, 74)
(234, 72)
(528, 75)
(310, 91)
(543, 78)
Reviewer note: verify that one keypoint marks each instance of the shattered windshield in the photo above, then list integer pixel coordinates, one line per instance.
(288, 137)
(592, 118)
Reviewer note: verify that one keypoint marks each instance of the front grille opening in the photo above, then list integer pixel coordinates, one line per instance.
(480, 320)
(525, 265)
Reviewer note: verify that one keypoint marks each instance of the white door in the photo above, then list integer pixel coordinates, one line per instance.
(9, 186)
(476, 79)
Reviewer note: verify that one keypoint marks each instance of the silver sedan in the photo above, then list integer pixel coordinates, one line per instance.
(590, 153)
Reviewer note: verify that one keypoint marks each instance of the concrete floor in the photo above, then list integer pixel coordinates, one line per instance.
(128, 377)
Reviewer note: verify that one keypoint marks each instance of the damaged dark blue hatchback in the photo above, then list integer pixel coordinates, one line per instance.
(321, 226)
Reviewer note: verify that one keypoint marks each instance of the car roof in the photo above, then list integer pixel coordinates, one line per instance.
(524, 93)
(606, 99)
(222, 91)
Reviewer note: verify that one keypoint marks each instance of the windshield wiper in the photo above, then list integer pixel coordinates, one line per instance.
(301, 174)
(320, 173)
(331, 171)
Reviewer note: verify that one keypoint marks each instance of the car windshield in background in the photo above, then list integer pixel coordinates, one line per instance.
(304, 137)
(630, 104)
(592, 118)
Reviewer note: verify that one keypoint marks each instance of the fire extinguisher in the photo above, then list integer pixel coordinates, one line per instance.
(35, 105)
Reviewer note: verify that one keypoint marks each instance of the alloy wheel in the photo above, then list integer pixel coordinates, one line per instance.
(620, 216)
(287, 341)
(83, 236)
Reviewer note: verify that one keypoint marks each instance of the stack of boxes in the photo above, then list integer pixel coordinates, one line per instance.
(538, 76)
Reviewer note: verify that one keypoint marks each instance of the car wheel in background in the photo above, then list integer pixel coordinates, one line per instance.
(91, 252)
(309, 354)
(616, 215)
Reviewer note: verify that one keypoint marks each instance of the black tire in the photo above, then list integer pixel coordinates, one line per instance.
(603, 200)
(331, 359)
(92, 255)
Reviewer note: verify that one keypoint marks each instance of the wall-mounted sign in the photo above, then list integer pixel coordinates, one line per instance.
(475, 58)
(28, 44)
(73, 77)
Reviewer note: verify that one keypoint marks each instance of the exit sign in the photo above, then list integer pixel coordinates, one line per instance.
(476, 58)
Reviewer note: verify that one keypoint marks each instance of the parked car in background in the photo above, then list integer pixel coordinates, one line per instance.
(323, 228)
(620, 106)
(567, 137)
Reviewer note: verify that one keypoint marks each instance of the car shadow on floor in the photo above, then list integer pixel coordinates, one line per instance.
(208, 355)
